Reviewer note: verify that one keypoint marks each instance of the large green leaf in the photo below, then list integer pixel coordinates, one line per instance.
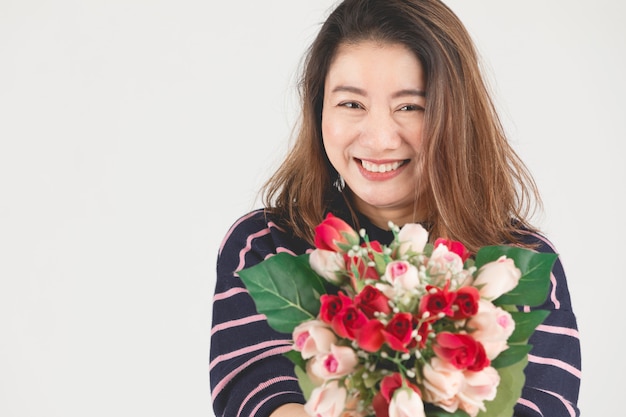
(534, 284)
(509, 390)
(526, 323)
(285, 289)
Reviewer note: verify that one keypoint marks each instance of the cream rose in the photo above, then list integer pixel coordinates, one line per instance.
(402, 275)
(496, 278)
(328, 400)
(442, 383)
(444, 263)
(412, 238)
(328, 264)
(340, 361)
(478, 388)
(312, 338)
(491, 326)
(406, 403)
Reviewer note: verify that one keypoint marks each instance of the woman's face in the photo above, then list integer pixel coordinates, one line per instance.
(372, 123)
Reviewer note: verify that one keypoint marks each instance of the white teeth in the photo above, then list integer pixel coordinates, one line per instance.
(369, 166)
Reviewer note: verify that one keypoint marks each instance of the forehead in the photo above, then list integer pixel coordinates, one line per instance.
(375, 62)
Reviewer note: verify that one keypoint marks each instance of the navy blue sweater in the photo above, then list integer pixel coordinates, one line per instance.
(251, 377)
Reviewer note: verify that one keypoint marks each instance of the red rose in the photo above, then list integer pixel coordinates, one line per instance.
(466, 302)
(388, 386)
(398, 331)
(437, 300)
(331, 305)
(371, 300)
(461, 350)
(348, 322)
(333, 232)
(370, 337)
(454, 246)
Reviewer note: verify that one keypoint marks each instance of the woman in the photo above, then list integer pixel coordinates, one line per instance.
(397, 125)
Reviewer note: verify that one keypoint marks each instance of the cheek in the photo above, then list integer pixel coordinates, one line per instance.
(334, 137)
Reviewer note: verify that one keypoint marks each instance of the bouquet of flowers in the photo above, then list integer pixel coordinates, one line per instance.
(405, 329)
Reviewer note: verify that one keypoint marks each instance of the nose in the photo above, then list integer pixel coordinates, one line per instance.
(380, 131)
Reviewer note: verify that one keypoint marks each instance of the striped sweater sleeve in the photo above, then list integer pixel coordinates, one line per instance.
(249, 376)
(554, 363)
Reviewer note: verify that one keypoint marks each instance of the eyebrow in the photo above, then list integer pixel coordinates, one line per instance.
(400, 93)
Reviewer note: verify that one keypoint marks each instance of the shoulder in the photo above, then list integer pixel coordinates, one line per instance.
(254, 237)
(559, 296)
(536, 240)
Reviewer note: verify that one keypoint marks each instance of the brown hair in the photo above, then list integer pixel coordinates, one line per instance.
(477, 190)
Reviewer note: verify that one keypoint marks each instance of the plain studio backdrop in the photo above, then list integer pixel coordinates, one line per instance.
(133, 133)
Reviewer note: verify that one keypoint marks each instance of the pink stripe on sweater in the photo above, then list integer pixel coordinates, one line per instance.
(233, 227)
(557, 303)
(274, 225)
(558, 330)
(242, 253)
(529, 404)
(262, 387)
(273, 352)
(238, 322)
(568, 405)
(229, 293)
(248, 349)
(556, 363)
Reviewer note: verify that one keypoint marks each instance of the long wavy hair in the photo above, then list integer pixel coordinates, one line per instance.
(475, 187)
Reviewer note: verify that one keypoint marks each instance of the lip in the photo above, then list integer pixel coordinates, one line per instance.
(381, 176)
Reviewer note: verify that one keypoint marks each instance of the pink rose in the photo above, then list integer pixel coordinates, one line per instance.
(327, 400)
(312, 338)
(406, 403)
(412, 238)
(492, 327)
(445, 264)
(332, 233)
(328, 264)
(442, 383)
(478, 388)
(340, 361)
(496, 278)
(402, 274)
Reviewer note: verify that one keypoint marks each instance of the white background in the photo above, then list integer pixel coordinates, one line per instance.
(134, 132)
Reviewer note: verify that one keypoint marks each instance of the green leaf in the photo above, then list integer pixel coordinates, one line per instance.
(285, 289)
(296, 358)
(526, 323)
(509, 390)
(532, 289)
(514, 354)
(306, 385)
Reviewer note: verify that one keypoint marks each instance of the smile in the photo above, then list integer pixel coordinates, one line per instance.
(387, 167)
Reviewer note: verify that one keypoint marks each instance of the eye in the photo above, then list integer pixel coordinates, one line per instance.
(411, 107)
(351, 105)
